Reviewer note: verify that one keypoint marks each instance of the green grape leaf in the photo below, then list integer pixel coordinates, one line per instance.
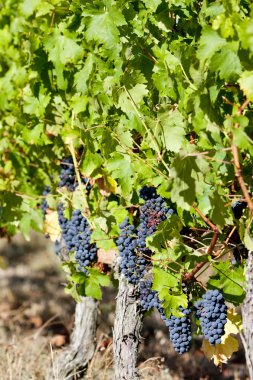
(129, 100)
(107, 23)
(209, 43)
(62, 49)
(173, 130)
(227, 63)
(230, 279)
(28, 6)
(82, 76)
(246, 84)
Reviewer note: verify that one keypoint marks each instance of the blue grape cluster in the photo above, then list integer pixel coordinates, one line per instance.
(179, 328)
(148, 297)
(131, 265)
(44, 205)
(77, 234)
(68, 175)
(132, 244)
(238, 208)
(153, 212)
(212, 312)
(148, 192)
(180, 331)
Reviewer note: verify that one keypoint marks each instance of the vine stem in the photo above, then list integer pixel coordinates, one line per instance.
(217, 254)
(190, 276)
(237, 165)
(72, 151)
(206, 220)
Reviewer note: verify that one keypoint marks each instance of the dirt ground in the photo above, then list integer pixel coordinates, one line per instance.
(36, 318)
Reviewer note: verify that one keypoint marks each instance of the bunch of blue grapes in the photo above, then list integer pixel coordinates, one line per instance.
(131, 265)
(212, 312)
(179, 327)
(148, 297)
(77, 235)
(44, 205)
(153, 212)
(148, 192)
(180, 331)
(132, 244)
(68, 175)
(238, 208)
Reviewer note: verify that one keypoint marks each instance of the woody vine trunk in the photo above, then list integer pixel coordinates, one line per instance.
(127, 327)
(74, 359)
(247, 314)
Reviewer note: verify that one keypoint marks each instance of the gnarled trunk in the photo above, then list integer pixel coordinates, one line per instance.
(74, 359)
(126, 335)
(247, 315)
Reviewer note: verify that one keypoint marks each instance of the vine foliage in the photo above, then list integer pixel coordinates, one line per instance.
(151, 92)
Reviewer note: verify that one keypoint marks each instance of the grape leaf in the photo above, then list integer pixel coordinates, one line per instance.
(108, 31)
(246, 84)
(51, 226)
(209, 43)
(222, 352)
(230, 279)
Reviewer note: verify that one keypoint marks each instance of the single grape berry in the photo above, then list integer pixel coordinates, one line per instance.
(212, 313)
(57, 247)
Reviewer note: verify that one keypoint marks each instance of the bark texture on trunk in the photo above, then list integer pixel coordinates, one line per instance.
(247, 316)
(127, 328)
(73, 360)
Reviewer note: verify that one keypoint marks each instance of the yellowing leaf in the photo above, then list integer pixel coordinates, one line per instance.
(233, 325)
(220, 353)
(107, 185)
(51, 226)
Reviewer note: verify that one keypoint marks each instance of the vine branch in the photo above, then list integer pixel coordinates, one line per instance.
(213, 227)
(237, 165)
(217, 254)
(190, 276)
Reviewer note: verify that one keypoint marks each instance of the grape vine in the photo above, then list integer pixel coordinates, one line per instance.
(150, 99)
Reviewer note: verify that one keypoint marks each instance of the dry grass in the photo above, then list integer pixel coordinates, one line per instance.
(24, 359)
